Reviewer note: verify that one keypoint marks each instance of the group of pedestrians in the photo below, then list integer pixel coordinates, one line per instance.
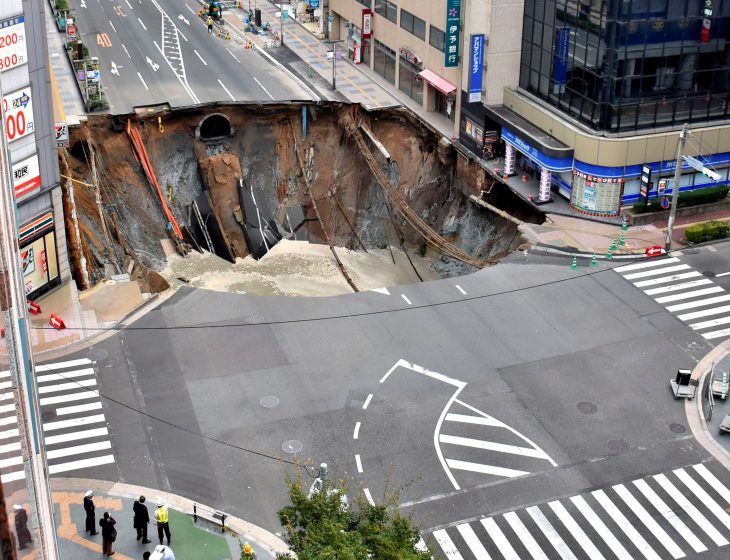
(141, 520)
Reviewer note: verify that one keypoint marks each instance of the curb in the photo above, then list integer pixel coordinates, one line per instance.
(261, 537)
(694, 411)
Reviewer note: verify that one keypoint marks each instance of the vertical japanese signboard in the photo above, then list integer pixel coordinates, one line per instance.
(453, 27)
(18, 114)
(367, 24)
(476, 59)
(12, 43)
(560, 69)
(26, 176)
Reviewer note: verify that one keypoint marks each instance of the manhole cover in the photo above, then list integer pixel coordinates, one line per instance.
(587, 407)
(292, 446)
(618, 445)
(48, 415)
(269, 402)
(709, 273)
(254, 319)
(677, 428)
(97, 354)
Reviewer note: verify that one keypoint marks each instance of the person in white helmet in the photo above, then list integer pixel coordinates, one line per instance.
(162, 517)
(162, 552)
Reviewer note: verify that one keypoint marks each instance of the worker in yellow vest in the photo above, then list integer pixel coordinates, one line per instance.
(162, 517)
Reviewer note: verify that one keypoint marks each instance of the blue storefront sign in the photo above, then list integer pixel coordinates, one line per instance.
(551, 163)
(562, 44)
(656, 167)
(314, 4)
(453, 27)
(476, 59)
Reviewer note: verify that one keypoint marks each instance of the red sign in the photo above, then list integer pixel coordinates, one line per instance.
(71, 30)
(654, 251)
(367, 24)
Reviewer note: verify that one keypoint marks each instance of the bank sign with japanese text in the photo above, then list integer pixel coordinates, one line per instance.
(13, 50)
(453, 28)
(18, 114)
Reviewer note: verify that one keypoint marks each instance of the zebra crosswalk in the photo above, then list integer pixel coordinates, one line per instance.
(73, 423)
(668, 515)
(685, 292)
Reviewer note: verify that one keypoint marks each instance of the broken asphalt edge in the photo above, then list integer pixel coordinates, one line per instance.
(258, 536)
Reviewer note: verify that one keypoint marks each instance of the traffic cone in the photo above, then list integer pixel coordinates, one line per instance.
(621, 239)
(608, 255)
(56, 322)
(574, 264)
(613, 245)
(593, 261)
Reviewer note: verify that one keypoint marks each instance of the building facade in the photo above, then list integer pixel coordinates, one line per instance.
(28, 122)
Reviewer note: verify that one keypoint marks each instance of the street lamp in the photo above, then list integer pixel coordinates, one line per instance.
(334, 59)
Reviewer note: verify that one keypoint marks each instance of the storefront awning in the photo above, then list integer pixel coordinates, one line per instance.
(547, 144)
(437, 81)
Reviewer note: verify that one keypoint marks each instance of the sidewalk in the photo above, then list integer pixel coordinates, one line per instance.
(189, 541)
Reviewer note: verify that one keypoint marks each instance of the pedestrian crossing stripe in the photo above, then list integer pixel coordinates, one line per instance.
(688, 294)
(677, 512)
(74, 426)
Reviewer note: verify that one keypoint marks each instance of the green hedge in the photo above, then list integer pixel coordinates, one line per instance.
(691, 198)
(61, 5)
(707, 231)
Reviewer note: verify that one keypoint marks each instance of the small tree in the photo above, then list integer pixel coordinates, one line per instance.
(320, 527)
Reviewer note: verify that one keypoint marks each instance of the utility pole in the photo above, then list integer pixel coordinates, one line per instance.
(334, 42)
(675, 188)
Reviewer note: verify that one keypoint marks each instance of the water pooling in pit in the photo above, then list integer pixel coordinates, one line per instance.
(264, 194)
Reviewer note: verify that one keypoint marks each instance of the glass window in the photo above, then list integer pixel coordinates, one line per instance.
(436, 38)
(409, 82)
(413, 24)
(367, 3)
(384, 61)
(387, 9)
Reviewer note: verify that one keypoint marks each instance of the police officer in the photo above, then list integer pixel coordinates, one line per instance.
(162, 517)
(89, 508)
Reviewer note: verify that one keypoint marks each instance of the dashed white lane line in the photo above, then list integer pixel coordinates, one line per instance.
(263, 88)
(369, 498)
(722, 274)
(356, 433)
(226, 89)
(181, 34)
(202, 60)
(114, 28)
(406, 299)
(142, 24)
(128, 4)
(359, 463)
(233, 55)
(461, 289)
(367, 402)
(142, 80)
(191, 10)
(126, 51)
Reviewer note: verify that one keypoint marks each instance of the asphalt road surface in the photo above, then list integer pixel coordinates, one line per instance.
(521, 410)
(159, 51)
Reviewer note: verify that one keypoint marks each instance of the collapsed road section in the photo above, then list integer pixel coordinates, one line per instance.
(235, 181)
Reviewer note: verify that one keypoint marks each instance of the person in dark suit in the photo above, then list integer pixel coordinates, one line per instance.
(90, 515)
(21, 526)
(141, 519)
(108, 533)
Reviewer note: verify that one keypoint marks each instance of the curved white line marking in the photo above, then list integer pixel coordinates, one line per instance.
(436, 433)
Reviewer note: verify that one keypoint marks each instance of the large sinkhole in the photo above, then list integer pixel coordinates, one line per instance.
(80, 150)
(214, 127)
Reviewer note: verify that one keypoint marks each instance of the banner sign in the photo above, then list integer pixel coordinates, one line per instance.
(26, 176)
(62, 139)
(476, 59)
(453, 26)
(367, 24)
(18, 114)
(562, 45)
(548, 162)
(12, 43)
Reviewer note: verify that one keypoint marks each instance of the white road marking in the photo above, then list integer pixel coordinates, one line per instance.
(84, 434)
(126, 51)
(492, 446)
(368, 497)
(527, 539)
(6, 374)
(691, 294)
(81, 464)
(467, 419)
(10, 477)
(667, 513)
(233, 55)
(358, 462)
(600, 527)
(716, 334)
(447, 545)
(11, 462)
(191, 10)
(10, 447)
(6, 385)
(496, 534)
(656, 272)
(73, 423)
(472, 541)
(712, 249)
(710, 323)
(66, 375)
(677, 287)
(142, 24)
(704, 313)
(226, 90)
(66, 386)
(7, 408)
(575, 530)
(550, 533)
(8, 420)
(356, 433)
(114, 28)
(665, 279)
(625, 525)
(78, 408)
(406, 299)
(712, 480)
(143, 82)
(647, 264)
(183, 19)
(69, 398)
(201, 59)
(263, 88)
(700, 303)
(6, 396)
(7, 434)
(383, 291)
(693, 513)
(460, 289)
(86, 448)
(484, 469)
(367, 401)
(182, 35)
(704, 497)
(722, 274)
(115, 68)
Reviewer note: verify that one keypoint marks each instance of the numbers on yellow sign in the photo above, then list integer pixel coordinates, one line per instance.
(103, 40)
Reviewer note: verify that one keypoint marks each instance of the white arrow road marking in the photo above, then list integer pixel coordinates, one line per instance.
(184, 19)
(83, 4)
(151, 63)
(115, 68)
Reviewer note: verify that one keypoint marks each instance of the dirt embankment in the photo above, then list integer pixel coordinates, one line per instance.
(219, 150)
